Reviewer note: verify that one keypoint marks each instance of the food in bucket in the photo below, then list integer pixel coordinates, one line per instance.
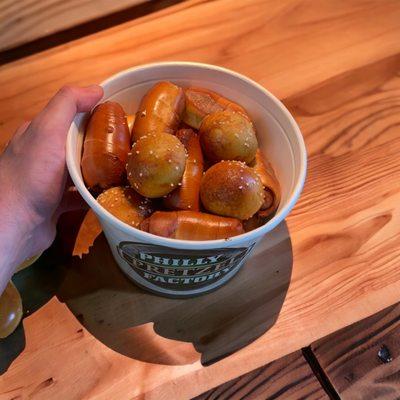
(193, 172)
(107, 143)
(191, 224)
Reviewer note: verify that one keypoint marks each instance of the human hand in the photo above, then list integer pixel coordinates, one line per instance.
(33, 177)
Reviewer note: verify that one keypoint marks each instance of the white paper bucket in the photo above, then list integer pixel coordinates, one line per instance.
(182, 268)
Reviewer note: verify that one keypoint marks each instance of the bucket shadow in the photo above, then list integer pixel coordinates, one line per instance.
(36, 284)
(154, 329)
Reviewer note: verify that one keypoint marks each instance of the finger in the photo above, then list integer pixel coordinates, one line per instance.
(21, 129)
(59, 113)
(18, 133)
(71, 201)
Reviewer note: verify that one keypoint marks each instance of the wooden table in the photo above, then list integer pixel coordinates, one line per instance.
(335, 65)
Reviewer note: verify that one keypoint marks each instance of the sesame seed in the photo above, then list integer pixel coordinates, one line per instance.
(189, 206)
(171, 184)
(176, 167)
(179, 184)
(130, 153)
(151, 151)
(140, 174)
(194, 161)
(169, 160)
(137, 151)
(240, 187)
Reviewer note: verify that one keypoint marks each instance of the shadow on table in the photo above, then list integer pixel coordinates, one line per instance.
(36, 285)
(154, 329)
(122, 315)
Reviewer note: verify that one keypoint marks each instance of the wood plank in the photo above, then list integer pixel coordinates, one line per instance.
(345, 229)
(24, 21)
(249, 36)
(362, 361)
(289, 378)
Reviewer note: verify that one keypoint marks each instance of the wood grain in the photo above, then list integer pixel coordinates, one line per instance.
(249, 36)
(351, 362)
(289, 378)
(24, 21)
(337, 68)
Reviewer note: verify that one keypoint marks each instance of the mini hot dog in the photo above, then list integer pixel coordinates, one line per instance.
(201, 102)
(191, 225)
(272, 191)
(106, 147)
(186, 196)
(159, 111)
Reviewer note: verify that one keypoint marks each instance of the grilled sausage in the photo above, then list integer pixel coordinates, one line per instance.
(186, 196)
(106, 147)
(191, 225)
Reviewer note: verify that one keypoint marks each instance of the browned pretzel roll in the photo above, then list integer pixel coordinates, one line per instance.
(159, 111)
(186, 196)
(191, 225)
(200, 102)
(227, 135)
(232, 189)
(106, 147)
(127, 205)
(272, 191)
(156, 164)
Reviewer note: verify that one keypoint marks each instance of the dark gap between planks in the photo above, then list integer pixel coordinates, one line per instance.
(87, 28)
(319, 372)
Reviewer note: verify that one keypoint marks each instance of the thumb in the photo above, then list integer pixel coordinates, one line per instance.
(60, 111)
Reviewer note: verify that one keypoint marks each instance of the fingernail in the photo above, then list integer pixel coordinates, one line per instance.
(94, 88)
